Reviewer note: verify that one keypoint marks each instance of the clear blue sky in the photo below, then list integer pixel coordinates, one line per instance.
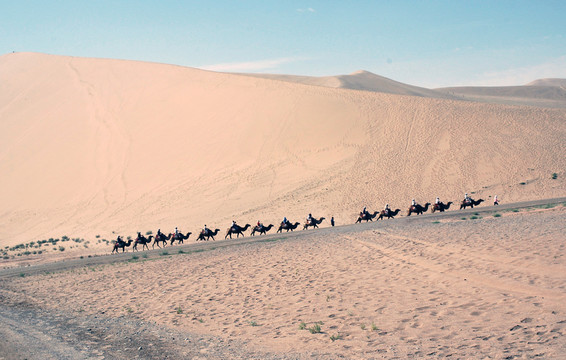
(424, 43)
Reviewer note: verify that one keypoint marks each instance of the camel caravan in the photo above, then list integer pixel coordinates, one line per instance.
(206, 234)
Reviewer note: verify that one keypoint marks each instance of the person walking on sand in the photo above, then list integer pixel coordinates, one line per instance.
(495, 200)
(332, 221)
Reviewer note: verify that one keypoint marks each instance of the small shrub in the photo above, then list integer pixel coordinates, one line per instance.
(181, 251)
(436, 222)
(61, 248)
(97, 236)
(315, 329)
(179, 310)
(135, 257)
(374, 327)
(554, 176)
(149, 232)
(363, 326)
(463, 218)
(496, 215)
(144, 256)
(22, 275)
(302, 326)
(473, 217)
(335, 337)
(523, 183)
(253, 323)
(163, 253)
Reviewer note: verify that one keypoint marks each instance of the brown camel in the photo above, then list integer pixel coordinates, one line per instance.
(208, 234)
(471, 203)
(441, 206)
(236, 229)
(314, 223)
(390, 214)
(142, 240)
(160, 238)
(261, 229)
(288, 226)
(367, 217)
(121, 244)
(180, 237)
(418, 209)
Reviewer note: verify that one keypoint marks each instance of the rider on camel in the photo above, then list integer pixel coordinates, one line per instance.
(285, 221)
(413, 203)
(387, 209)
(309, 219)
(467, 198)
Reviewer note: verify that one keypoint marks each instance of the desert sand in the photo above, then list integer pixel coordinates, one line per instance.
(95, 148)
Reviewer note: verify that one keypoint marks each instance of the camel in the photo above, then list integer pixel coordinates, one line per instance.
(121, 244)
(288, 227)
(314, 223)
(418, 209)
(471, 203)
(180, 237)
(160, 238)
(142, 240)
(367, 217)
(236, 229)
(261, 229)
(441, 206)
(209, 234)
(390, 214)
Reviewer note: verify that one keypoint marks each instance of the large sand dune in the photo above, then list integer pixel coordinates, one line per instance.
(94, 146)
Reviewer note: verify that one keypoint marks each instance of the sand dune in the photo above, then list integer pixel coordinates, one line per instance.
(104, 147)
(549, 93)
(361, 80)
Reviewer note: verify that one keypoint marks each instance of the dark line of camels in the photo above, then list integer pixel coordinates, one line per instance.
(237, 230)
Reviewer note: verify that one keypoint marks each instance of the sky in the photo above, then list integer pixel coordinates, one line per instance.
(424, 43)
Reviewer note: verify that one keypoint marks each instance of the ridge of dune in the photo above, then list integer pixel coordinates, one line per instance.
(548, 82)
(104, 147)
(360, 80)
(543, 93)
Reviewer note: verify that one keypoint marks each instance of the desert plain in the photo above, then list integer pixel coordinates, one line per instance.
(96, 148)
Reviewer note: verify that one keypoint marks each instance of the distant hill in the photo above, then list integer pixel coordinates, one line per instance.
(360, 80)
(543, 93)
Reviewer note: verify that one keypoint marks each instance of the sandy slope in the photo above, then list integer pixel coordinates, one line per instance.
(99, 147)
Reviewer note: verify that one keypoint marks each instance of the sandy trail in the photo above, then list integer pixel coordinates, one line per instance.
(412, 287)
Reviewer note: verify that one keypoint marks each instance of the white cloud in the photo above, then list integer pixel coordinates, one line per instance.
(306, 10)
(250, 66)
